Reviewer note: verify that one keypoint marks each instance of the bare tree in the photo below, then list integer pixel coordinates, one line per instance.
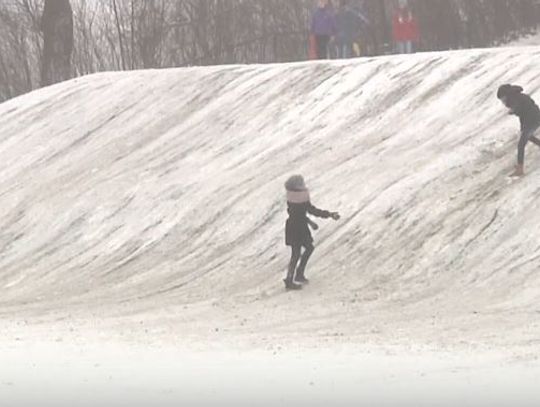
(108, 35)
(57, 28)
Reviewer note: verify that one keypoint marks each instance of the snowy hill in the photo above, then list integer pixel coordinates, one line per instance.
(156, 198)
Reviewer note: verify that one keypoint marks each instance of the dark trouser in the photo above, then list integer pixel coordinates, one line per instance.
(296, 254)
(345, 49)
(322, 46)
(526, 136)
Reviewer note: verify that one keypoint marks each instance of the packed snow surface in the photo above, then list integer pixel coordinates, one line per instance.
(144, 211)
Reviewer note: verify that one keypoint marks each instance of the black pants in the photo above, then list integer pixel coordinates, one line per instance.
(526, 136)
(296, 254)
(322, 46)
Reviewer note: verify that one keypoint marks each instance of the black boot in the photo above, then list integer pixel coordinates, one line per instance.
(290, 285)
(301, 279)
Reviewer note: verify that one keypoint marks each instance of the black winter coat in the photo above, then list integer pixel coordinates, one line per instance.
(297, 231)
(526, 109)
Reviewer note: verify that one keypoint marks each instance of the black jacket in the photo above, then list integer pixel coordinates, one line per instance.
(526, 109)
(297, 231)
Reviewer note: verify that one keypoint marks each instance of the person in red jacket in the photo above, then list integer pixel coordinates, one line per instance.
(405, 28)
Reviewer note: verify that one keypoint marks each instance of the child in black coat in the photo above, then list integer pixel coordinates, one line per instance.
(297, 233)
(526, 109)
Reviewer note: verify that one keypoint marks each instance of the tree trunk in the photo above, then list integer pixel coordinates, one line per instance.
(57, 28)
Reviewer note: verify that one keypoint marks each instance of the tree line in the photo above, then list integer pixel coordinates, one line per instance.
(47, 41)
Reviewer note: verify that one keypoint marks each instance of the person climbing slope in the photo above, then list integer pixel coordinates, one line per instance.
(297, 233)
(527, 110)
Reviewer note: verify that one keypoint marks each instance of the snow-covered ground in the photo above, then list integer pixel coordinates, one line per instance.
(528, 40)
(142, 217)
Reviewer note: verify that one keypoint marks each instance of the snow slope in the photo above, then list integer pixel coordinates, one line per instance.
(149, 206)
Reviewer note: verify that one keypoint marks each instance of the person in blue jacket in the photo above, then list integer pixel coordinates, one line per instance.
(348, 26)
(323, 27)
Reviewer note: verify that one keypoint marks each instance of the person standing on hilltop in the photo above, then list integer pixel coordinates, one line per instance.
(348, 25)
(405, 28)
(323, 28)
(297, 233)
(524, 107)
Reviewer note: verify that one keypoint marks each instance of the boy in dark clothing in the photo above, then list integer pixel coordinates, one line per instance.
(297, 233)
(348, 23)
(525, 108)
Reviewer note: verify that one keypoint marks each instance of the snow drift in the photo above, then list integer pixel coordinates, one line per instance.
(129, 192)
(149, 206)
